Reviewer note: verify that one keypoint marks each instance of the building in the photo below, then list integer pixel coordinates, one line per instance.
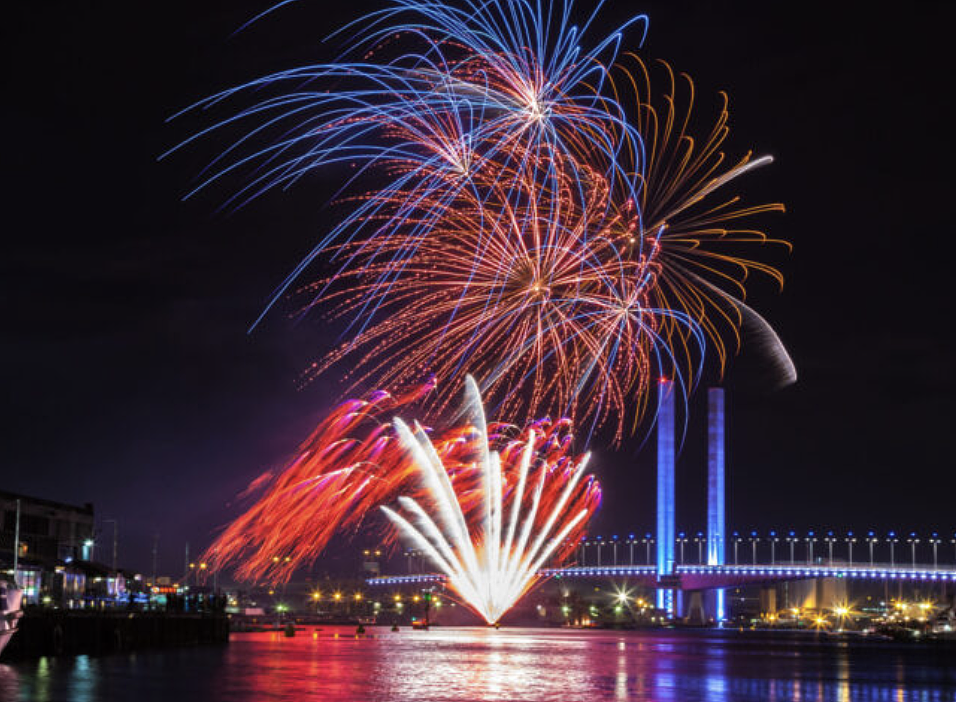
(49, 531)
(48, 536)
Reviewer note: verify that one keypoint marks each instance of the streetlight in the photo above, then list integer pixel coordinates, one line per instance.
(872, 539)
(753, 547)
(810, 540)
(681, 540)
(891, 538)
(647, 546)
(912, 542)
(630, 545)
(773, 547)
(850, 540)
(792, 538)
(935, 540)
(700, 547)
(115, 524)
(737, 541)
(614, 548)
(830, 539)
(599, 543)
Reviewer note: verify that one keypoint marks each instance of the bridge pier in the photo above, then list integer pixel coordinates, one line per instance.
(716, 503)
(665, 494)
(768, 600)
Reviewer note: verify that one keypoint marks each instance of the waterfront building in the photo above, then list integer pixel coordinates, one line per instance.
(49, 531)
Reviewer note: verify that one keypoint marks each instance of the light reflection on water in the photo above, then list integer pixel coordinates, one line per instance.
(333, 665)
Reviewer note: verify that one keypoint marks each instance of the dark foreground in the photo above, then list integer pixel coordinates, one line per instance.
(333, 665)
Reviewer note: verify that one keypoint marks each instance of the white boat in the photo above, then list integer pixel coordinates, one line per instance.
(10, 611)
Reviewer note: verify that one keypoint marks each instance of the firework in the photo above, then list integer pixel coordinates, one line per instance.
(545, 222)
(354, 462)
(706, 237)
(526, 285)
(530, 509)
(424, 91)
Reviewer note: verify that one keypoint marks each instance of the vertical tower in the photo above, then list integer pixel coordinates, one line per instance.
(665, 490)
(716, 535)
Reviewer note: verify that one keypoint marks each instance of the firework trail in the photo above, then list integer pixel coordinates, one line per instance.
(530, 509)
(706, 237)
(354, 462)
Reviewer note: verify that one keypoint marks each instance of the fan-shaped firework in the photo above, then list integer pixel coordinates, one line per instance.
(545, 222)
(353, 463)
(529, 511)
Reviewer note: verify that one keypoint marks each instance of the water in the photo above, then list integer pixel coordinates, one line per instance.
(333, 665)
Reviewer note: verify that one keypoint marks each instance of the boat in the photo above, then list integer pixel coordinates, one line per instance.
(10, 611)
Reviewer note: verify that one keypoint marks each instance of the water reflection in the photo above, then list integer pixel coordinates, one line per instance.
(333, 665)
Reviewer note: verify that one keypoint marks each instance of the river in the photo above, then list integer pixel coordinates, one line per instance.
(333, 665)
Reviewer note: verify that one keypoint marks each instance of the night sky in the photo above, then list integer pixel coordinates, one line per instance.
(129, 379)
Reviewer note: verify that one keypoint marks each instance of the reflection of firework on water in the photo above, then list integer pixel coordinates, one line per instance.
(353, 463)
(545, 222)
(529, 510)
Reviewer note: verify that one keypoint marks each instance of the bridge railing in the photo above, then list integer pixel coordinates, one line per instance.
(779, 547)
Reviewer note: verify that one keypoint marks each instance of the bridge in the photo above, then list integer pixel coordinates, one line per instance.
(773, 558)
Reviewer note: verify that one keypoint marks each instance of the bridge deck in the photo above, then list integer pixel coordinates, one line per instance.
(703, 577)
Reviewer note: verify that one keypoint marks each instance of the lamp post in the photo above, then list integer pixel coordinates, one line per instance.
(773, 547)
(614, 549)
(630, 543)
(850, 540)
(913, 540)
(934, 539)
(891, 538)
(792, 538)
(753, 547)
(16, 543)
(830, 539)
(681, 540)
(115, 538)
(700, 547)
(871, 539)
(737, 541)
(810, 540)
(600, 544)
(647, 548)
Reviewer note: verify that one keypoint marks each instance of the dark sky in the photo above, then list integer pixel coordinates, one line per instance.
(128, 377)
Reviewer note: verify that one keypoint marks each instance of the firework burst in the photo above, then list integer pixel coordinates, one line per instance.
(354, 462)
(530, 508)
(546, 222)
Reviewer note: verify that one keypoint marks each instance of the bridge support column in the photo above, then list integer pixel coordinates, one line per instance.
(716, 517)
(696, 612)
(665, 491)
(768, 600)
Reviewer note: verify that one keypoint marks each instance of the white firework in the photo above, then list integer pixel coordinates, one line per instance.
(492, 569)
